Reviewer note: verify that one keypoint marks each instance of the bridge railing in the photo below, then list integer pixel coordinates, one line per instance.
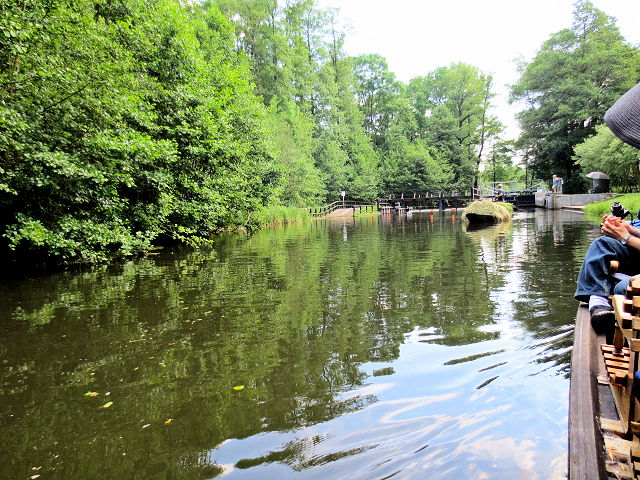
(452, 192)
(512, 187)
(324, 210)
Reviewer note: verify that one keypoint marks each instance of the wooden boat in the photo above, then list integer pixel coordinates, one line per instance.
(604, 418)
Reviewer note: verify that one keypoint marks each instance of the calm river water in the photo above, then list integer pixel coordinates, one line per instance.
(364, 348)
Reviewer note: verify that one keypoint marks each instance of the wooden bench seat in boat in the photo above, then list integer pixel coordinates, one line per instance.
(622, 435)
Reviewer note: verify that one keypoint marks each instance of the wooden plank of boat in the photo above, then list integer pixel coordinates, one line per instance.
(586, 448)
(603, 441)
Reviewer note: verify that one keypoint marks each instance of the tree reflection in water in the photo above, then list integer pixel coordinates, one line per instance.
(327, 332)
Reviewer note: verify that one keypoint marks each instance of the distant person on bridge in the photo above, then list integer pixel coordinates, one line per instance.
(499, 196)
(620, 240)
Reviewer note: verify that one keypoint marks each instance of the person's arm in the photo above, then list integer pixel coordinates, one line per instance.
(633, 230)
(617, 228)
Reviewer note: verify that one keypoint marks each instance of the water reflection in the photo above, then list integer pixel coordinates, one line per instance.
(366, 347)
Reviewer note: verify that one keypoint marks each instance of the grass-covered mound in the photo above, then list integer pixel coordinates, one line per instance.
(500, 211)
(630, 201)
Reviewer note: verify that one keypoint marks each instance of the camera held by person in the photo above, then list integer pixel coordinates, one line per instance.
(619, 211)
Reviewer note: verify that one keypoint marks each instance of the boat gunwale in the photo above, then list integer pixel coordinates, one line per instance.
(586, 443)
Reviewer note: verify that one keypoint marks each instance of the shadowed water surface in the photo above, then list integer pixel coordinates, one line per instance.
(378, 347)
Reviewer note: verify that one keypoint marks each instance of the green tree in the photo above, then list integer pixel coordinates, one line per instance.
(606, 153)
(499, 165)
(293, 145)
(379, 95)
(577, 74)
(297, 56)
(123, 124)
(451, 106)
(345, 153)
(413, 166)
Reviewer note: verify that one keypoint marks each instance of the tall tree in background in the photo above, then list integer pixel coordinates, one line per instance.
(304, 75)
(499, 165)
(344, 152)
(380, 96)
(282, 43)
(577, 74)
(451, 107)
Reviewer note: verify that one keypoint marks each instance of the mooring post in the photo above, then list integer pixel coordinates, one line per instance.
(441, 205)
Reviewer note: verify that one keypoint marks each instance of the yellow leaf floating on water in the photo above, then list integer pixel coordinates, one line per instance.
(91, 394)
(107, 405)
(146, 425)
(168, 421)
(238, 387)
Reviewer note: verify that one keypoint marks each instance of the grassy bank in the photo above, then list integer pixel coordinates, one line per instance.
(279, 215)
(630, 201)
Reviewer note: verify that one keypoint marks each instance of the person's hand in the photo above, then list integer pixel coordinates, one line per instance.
(614, 227)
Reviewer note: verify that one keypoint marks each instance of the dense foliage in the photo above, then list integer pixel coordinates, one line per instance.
(123, 123)
(346, 123)
(578, 73)
(129, 123)
(607, 153)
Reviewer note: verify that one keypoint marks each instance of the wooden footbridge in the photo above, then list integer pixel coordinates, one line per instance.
(342, 208)
(405, 201)
(425, 200)
(450, 199)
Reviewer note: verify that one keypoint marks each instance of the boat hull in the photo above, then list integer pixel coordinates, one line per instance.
(586, 445)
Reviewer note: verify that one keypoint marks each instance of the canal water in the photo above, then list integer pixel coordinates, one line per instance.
(364, 348)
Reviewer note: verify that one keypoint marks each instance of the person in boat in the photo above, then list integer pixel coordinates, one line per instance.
(620, 240)
(499, 196)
